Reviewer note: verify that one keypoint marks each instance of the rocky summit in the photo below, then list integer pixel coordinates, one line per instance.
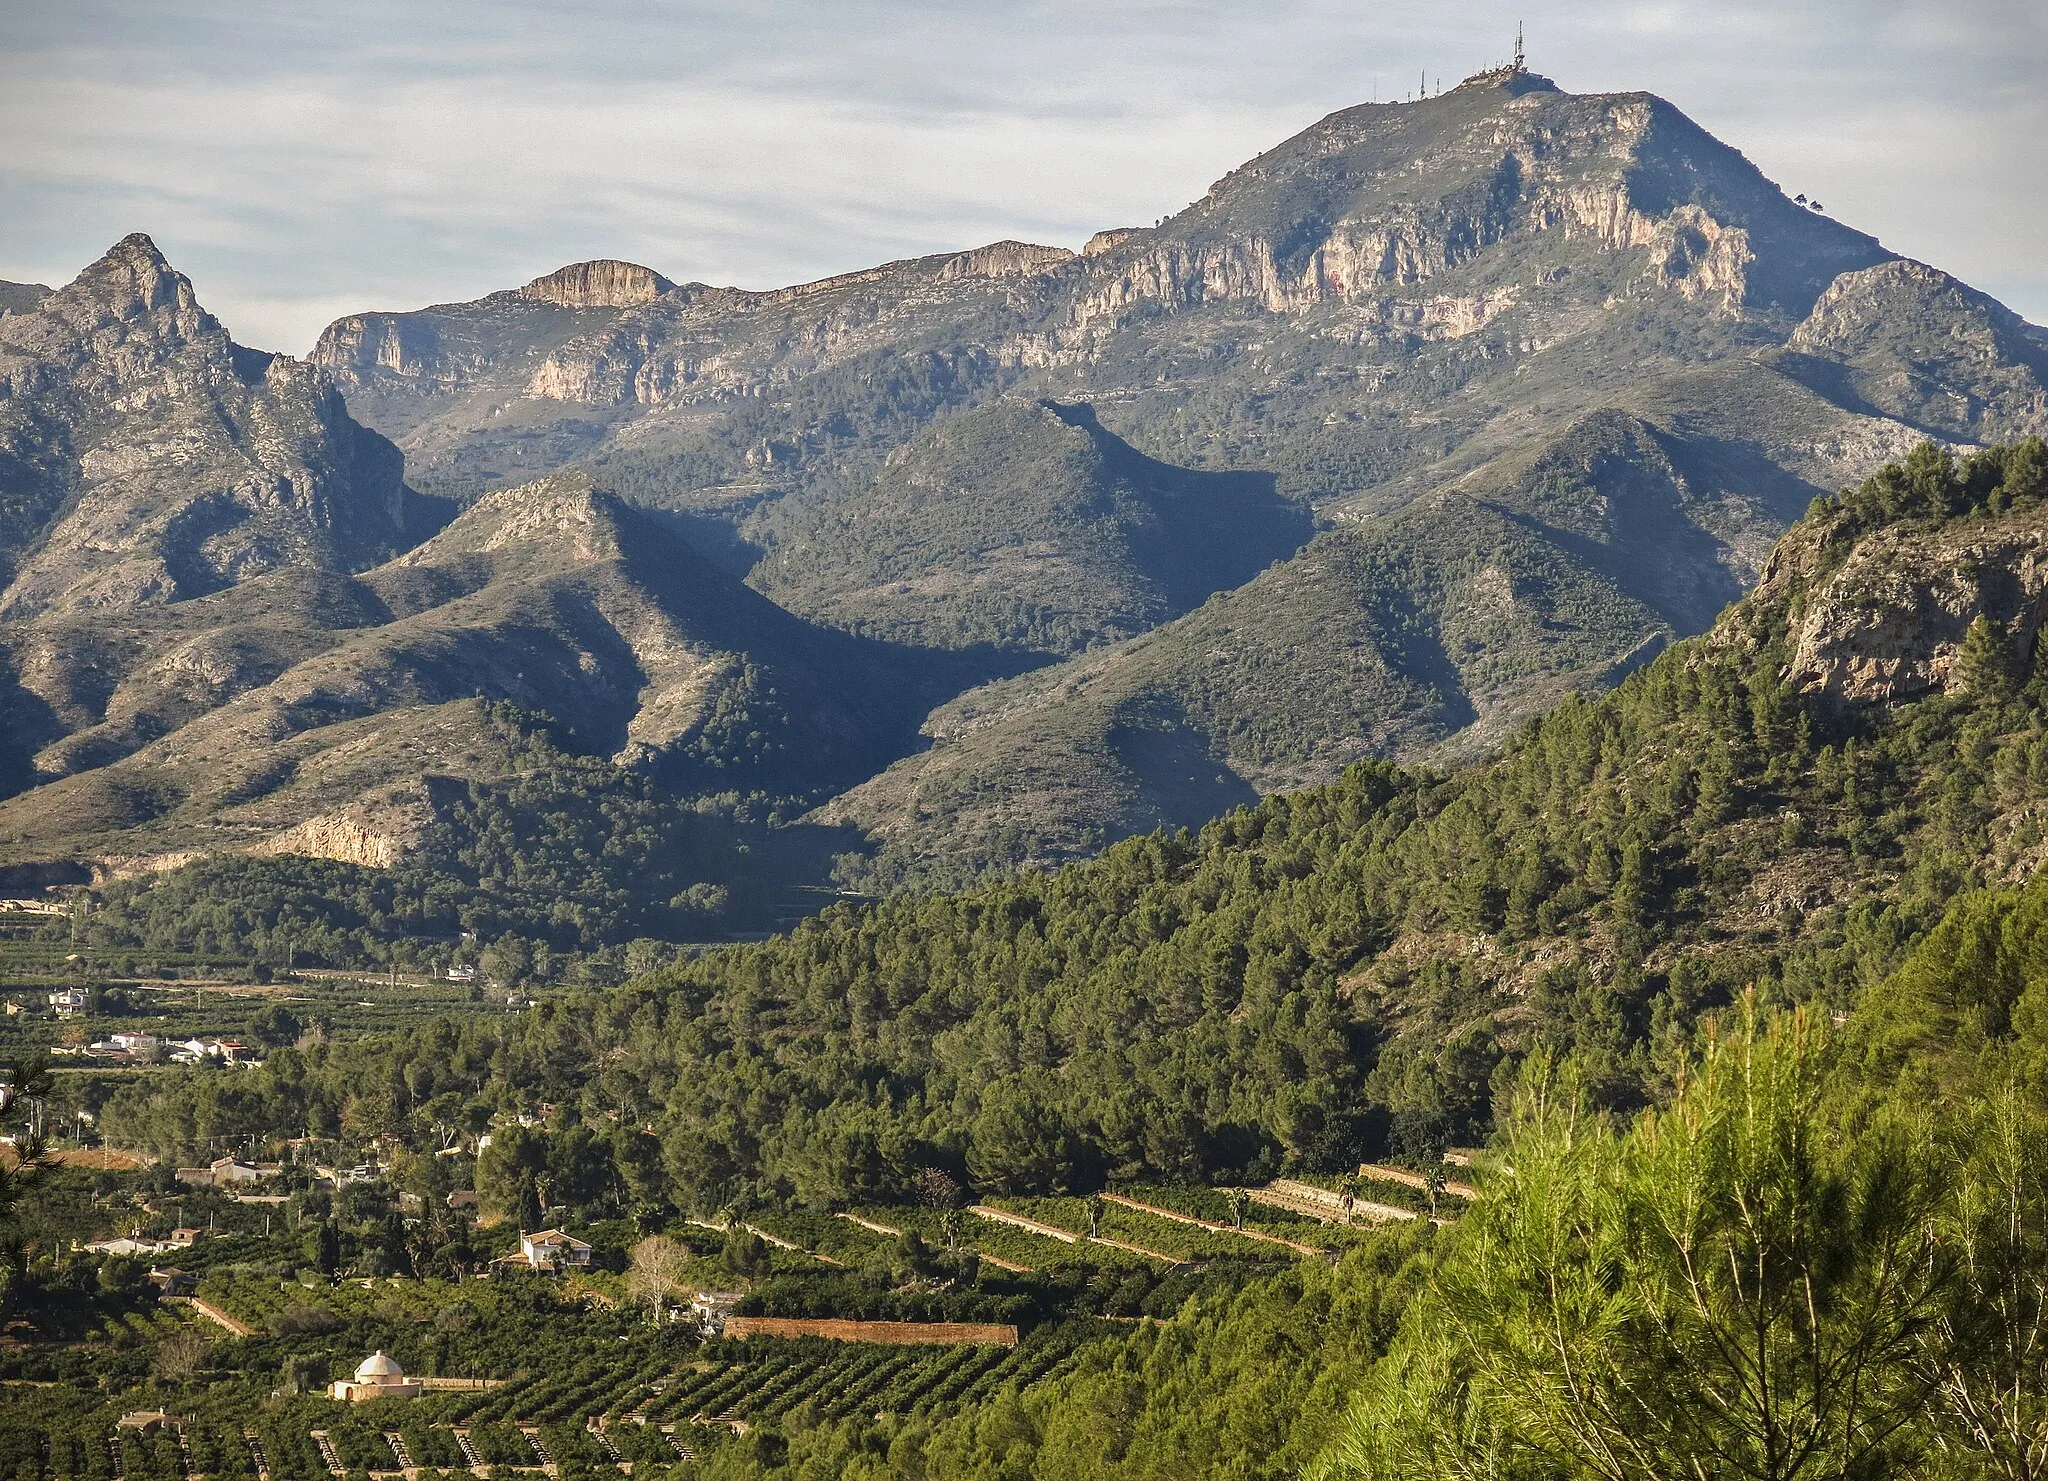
(151, 459)
(1429, 416)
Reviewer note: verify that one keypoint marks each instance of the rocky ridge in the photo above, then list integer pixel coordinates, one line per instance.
(1551, 372)
(552, 597)
(148, 458)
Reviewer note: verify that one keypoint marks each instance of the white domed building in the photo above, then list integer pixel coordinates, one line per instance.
(378, 1376)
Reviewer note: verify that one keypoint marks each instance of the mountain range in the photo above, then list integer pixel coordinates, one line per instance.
(1428, 417)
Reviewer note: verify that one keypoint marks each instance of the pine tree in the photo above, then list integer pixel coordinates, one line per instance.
(1984, 666)
(1723, 1290)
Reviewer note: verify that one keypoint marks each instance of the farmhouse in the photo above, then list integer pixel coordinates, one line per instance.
(551, 1249)
(714, 1308)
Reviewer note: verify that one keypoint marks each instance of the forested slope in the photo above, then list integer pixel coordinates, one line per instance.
(1829, 804)
(1329, 971)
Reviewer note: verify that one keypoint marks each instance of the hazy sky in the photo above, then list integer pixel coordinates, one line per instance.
(302, 160)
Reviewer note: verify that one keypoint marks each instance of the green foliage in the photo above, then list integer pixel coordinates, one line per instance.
(1245, 1382)
(1729, 1285)
(571, 851)
(1930, 484)
(1026, 525)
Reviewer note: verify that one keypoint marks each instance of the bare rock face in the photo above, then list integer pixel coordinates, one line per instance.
(377, 831)
(603, 284)
(1110, 240)
(1887, 623)
(21, 298)
(146, 458)
(1917, 344)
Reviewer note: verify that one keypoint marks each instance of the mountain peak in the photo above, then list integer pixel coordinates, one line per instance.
(1512, 80)
(133, 279)
(604, 283)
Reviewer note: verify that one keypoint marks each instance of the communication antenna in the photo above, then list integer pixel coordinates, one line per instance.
(1518, 46)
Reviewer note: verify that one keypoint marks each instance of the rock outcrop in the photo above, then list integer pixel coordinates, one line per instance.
(1916, 344)
(1887, 621)
(603, 284)
(21, 298)
(150, 459)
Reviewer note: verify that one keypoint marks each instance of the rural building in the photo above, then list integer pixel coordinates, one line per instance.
(378, 1376)
(713, 1309)
(551, 1249)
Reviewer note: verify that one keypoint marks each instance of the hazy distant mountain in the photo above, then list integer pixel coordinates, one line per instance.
(1547, 372)
(1557, 369)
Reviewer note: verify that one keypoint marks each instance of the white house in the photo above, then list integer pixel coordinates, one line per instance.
(378, 1376)
(69, 1002)
(551, 1249)
(221, 1051)
(711, 1308)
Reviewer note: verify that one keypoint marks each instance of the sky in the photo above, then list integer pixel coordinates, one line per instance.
(303, 160)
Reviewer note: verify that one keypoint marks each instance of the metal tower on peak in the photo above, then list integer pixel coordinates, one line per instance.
(1519, 65)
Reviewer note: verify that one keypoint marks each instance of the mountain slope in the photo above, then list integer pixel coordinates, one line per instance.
(1429, 631)
(145, 457)
(551, 596)
(1027, 526)
(1395, 313)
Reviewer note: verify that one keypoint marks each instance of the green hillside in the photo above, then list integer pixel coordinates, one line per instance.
(1025, 525)
(1334, 972)
(1427, 632)
(1383, 967)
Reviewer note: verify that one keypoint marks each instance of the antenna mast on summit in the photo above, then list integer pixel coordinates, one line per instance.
(1518, 46)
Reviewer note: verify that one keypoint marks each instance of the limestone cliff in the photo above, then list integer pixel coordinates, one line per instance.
(1885, 619)
(603, 284)
(148, 458)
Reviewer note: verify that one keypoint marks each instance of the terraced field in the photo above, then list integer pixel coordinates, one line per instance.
(584, 1377)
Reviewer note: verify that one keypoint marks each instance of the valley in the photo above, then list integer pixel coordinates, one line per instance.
(1391, 827)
